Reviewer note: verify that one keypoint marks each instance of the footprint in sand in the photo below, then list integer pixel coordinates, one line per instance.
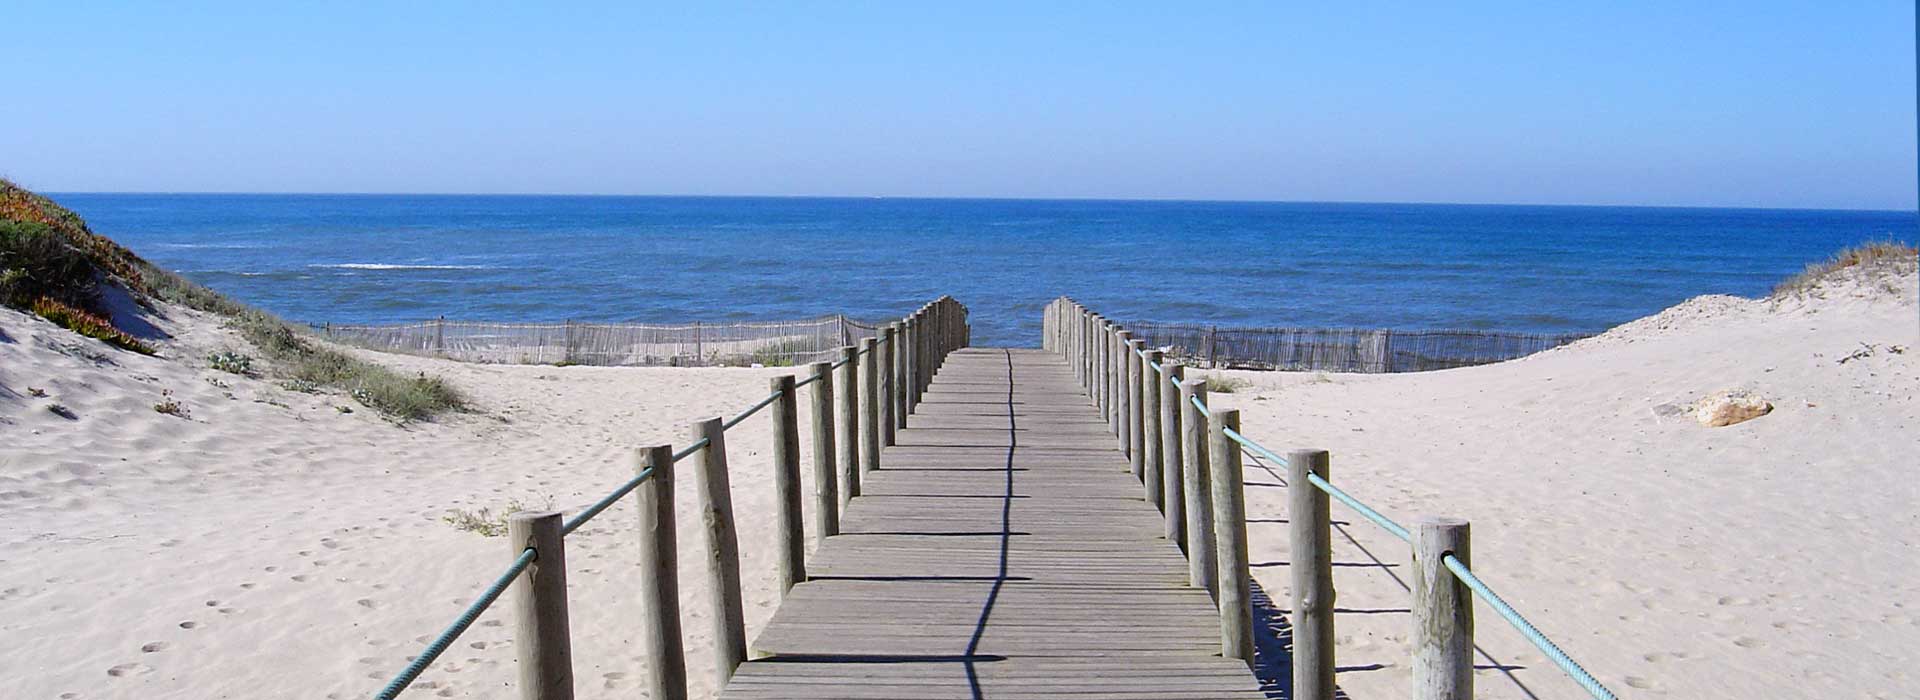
(133, 669)
(365, 603)
(188, 624)
(1639, 683)
(151, 647)
(300, 578)
(1748, 643)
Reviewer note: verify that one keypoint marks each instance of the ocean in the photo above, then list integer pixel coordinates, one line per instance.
(395, 258)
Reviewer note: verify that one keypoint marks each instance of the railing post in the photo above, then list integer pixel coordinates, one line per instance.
(911, 349)
(888, 428)
(1442, 612)
(1150, 449)
(826, 488)
(1309, 525)
(1136, 409)
(1199, 492)
(790, 566)
(715, 498)
(1172, 484)
(1230, 533)
(847, 418)
(869, 406)
(540, 637)
(899, 357)
(925, 354)
(1123, 415)
(1105, 349)
(660, 645)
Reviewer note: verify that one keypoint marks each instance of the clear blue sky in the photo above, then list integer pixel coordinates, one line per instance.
(1755, 103)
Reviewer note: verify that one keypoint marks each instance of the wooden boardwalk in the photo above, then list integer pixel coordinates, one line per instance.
(1003, 551)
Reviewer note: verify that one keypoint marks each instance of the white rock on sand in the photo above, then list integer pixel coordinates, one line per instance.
(272, 546)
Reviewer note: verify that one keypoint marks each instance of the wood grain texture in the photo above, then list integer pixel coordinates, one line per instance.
(660, 639)
(540, 637)
(1002, 552)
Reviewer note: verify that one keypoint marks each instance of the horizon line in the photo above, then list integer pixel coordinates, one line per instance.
(1170, 200)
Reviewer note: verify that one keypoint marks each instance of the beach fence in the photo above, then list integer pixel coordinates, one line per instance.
(730, 343)
(1188, 456)
(1337, 349)
(868, 394)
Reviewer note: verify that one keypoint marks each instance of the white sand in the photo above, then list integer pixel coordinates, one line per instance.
(272, 546)
(1774, 558)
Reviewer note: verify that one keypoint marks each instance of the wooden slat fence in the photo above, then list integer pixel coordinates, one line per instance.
(1340, 349)
(735, 343)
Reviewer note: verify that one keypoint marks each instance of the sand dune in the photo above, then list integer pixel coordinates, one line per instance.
(270, 545)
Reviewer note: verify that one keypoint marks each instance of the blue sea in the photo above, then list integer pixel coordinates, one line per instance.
(381, 258)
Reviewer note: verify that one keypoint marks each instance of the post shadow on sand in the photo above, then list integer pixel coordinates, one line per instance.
(1260, 614)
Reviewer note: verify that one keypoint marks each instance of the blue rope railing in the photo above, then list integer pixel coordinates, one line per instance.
(460, 624)
(1460, 570)
(447, 637)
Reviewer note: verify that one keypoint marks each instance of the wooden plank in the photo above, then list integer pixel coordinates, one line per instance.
(1003, 552)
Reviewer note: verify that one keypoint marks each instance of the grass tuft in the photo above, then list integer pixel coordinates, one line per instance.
(1876, 259)
(1223, 384)
(486, 522)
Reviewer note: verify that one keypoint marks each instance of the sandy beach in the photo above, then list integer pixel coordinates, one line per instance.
(270, 545)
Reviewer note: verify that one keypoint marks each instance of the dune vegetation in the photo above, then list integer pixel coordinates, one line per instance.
(55, 267)
(1877, 260)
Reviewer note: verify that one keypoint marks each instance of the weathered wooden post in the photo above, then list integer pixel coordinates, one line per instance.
(1309, 525)
(899, 371)
(1199, 492)
(888, 429)
(713, 493)
(660, 646)
(1442, 612)
(826, 480)
(1172, 484)
(912, 347)
(1096, 335)
(1230, 533)
(790, 566)
(1150, 450)
(1136, 409)
(1108, 403)
(869, 405)
(848, 420)
(1123, 418)
(543, 646)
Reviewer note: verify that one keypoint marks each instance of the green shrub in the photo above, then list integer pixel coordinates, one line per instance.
(231, 362)
(35, 264)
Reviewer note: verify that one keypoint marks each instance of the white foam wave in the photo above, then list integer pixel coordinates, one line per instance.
(395, 266)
